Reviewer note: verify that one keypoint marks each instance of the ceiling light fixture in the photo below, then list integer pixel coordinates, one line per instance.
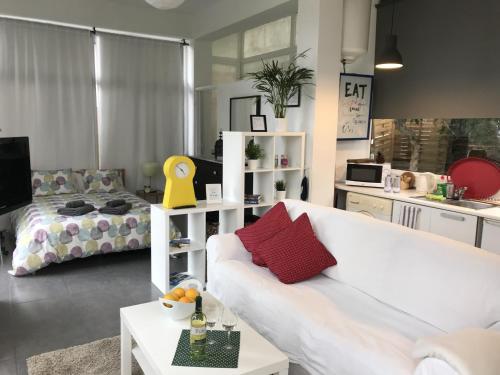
(391, 57)
(165, 4)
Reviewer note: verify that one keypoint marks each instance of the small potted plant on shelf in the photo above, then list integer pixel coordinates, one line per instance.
(279, 83)
(254, 153)
(280, 186)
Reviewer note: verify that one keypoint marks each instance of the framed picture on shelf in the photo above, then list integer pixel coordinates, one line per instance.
(214, 193)
(258, 123)
(354, 107)
(295, 100)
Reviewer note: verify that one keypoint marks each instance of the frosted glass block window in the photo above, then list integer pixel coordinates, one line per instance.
(267, 38)
(223, 73)
(254, 66)
(226, 47)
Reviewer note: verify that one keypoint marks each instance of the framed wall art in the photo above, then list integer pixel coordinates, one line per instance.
(258, 123)
(355, 98)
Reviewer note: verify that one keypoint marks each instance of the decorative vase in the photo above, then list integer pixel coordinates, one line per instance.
(280, 195)
(253, 164)
(281, 124)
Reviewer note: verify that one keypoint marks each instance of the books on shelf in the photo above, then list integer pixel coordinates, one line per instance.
(177, 277)
(180, 242)
(253, 198)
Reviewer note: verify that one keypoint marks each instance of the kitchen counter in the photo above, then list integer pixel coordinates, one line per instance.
(410, 197)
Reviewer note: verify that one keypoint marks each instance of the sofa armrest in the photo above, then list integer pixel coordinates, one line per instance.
(469, 351)
(224, 247)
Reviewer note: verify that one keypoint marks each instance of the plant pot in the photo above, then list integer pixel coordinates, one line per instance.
(280, 195)
(281, 124)
(253, 164)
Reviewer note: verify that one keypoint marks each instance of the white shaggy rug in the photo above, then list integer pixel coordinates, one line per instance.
(100, 357)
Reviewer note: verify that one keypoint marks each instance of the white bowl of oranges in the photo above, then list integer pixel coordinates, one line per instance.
(179, 303)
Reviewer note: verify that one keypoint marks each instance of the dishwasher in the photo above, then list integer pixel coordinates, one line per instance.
(378, 208)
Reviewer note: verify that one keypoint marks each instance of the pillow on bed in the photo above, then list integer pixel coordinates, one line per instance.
(102, 181)
(52, 182)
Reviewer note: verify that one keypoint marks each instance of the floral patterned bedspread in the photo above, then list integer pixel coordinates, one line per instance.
(44, 236)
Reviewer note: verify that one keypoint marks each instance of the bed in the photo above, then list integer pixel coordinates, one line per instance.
(44, 237)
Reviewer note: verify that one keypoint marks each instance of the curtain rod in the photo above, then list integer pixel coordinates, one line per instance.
(182, 41)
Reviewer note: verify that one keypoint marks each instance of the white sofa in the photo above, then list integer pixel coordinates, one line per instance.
(392, 285)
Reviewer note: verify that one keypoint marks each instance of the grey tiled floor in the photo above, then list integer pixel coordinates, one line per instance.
(69, 304)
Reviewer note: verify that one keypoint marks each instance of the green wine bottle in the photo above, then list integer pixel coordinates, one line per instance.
(198, 334)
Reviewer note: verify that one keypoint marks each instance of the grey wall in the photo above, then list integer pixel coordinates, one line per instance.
(451, 53)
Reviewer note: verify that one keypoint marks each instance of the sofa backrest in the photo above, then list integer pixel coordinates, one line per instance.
(446, 283)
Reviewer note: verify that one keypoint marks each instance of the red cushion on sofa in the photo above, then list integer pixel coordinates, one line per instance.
(295, 254)
(274, 221)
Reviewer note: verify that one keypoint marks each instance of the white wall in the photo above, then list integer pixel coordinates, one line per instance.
(328, 18)
(363, 65)
(131, 16)
(223, 13)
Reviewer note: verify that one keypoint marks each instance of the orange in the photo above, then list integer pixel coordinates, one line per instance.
(179, 292)
(192, 293)
(171, 297)
(186, 300)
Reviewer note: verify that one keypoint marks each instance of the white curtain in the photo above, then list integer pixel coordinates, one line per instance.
(141, 91)
(47, 92)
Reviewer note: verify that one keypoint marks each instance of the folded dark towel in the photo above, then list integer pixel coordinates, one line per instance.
(75, 204)
(119, 210)
(78, 211)
(116, 203)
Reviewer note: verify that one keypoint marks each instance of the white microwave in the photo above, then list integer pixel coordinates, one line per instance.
(367, 174)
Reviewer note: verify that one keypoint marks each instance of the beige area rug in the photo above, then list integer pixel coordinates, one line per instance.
(100, 357)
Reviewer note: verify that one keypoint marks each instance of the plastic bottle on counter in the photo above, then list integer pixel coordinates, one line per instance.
(442, 186)
(388, 184)
(396, 184)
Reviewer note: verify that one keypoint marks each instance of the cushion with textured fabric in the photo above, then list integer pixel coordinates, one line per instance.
(295, 254)
(52, 182)
(273, 222)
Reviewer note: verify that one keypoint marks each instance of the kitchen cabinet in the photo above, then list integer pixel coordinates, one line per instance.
(454, 225)
(422, 216)
(459, 227)
(490, 239)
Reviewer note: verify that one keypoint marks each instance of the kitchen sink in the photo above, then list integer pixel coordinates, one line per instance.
(469, 204)
(461, 203)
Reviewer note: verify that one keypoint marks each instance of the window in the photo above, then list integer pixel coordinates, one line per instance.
(254, 66)
(432, 145)
(267, 38)
(226, 47)
(224, 73)
(236, 55)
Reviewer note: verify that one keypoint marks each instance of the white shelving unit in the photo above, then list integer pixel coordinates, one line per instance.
(230, 219)
(291, 144)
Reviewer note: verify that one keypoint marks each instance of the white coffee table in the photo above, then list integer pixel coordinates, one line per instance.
(156, 339)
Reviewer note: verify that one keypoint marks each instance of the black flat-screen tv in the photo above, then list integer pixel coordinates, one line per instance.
(15, 173)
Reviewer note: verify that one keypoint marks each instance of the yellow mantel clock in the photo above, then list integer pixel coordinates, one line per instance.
(179, 190)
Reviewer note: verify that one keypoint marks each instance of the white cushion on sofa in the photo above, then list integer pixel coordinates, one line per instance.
(446, 283)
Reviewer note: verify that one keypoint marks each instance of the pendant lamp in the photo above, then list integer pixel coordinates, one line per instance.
(165, 4)
(390, 58)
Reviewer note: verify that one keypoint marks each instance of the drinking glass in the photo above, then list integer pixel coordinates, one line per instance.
(229, 320)
(212, 312)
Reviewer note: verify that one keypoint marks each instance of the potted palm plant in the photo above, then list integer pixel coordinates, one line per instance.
(254, 153)
(279, 83)
(280, 186)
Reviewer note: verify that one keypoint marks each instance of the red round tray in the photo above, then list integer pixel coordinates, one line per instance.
(481, 176)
